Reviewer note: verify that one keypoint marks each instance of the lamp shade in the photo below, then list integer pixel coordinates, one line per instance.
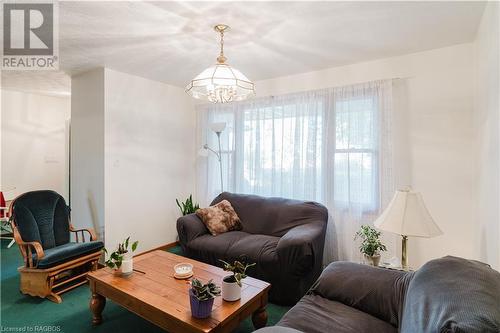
(203, 152)
(217, 127)
(221, 83)
(407, 215)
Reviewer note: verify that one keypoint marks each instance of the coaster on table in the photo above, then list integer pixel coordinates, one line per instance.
(183, 271)
(183, 277)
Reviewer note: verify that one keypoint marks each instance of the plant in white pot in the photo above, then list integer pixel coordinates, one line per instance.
(370, 246)
(121, 260)
(231, 284)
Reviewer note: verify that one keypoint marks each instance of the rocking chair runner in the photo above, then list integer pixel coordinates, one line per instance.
(52, 263)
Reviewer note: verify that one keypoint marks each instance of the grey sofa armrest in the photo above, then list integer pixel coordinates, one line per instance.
(301, 248)
(277, 329)
(190, 227)
(453, 294)
(377, 291)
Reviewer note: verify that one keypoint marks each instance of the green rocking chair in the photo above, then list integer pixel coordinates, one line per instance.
(53, 264)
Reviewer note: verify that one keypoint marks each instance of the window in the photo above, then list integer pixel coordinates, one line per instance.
(323, 146)
(282, 150)
(356, 156)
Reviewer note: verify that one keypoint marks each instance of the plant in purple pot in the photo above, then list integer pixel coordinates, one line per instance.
(202, 297)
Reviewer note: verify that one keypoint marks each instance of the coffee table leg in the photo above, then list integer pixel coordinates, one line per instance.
(97, 303)
(259, 318)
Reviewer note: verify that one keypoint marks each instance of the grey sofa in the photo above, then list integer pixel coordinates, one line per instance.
(446, 295)
(284, 237)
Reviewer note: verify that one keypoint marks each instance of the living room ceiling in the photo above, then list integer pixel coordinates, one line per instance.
(172, 42)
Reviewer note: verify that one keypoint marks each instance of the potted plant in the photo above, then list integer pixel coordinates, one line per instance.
(121, 259)
(370, 246)
(187, 207)
(231, 284)
(201, 297)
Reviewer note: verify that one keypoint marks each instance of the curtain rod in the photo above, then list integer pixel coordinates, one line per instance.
(345, 85)
(319, 89)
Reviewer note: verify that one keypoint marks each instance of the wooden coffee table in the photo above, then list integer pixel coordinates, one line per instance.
(158, 297)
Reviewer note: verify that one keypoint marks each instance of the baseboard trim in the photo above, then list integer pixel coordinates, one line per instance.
(163, 247)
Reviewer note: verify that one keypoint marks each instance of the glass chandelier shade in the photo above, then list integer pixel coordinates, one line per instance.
(221, 83)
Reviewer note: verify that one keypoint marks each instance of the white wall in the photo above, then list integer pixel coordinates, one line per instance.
(487, 106)
(1, 131)
(87, 150)
(133, 154)
(434, 147)
(33, 153)
(150, 158)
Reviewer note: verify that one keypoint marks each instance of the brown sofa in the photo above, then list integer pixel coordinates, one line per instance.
(284, 237)
(446, 295)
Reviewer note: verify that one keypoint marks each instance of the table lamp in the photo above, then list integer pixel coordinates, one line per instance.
(406, 215)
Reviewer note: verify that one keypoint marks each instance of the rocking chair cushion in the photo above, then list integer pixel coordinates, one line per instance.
(42, 216)
(63, 253)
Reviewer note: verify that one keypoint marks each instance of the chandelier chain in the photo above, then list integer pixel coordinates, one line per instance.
(222, 43)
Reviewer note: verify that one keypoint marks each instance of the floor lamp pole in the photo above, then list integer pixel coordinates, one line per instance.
(220, 162)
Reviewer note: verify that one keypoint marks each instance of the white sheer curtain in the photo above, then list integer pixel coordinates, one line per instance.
(332, 146)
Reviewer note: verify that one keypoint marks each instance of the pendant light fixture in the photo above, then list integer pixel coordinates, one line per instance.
(221, 83)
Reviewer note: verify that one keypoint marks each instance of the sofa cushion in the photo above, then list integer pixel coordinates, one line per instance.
(219, 218)
(374, 290)
(315, 314)
(210, 249)
(60, 254)
(260, 249)
(453, 295)
(257, 248)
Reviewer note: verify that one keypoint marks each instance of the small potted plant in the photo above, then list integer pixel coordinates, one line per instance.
(370, 246)
(188, 206)
(231, 284)
(121, 260)
(201, 297)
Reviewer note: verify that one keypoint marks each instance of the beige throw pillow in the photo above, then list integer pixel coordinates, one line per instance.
(219, 218)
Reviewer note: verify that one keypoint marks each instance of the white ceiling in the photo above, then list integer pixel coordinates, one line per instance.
(172, 42)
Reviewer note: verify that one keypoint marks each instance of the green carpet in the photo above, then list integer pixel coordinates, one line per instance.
(20, 313)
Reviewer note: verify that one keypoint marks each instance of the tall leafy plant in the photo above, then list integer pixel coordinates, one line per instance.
(370, 241)
(188, 206)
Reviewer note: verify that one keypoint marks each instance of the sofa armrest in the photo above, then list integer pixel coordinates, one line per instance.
(190, 227)
(301, 248)
(377, 291)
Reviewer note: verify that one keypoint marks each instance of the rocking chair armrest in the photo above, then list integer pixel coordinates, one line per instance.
(27, 252)
(27, 247)
(38, 248)
(91, 232)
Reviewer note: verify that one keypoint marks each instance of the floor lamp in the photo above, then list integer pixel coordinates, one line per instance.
(218, 128)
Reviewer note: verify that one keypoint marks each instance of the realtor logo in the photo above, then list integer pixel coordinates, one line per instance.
(29, 36)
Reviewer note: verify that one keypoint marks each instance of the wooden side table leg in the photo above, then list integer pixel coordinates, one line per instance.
(259, 318)
(97, 303)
